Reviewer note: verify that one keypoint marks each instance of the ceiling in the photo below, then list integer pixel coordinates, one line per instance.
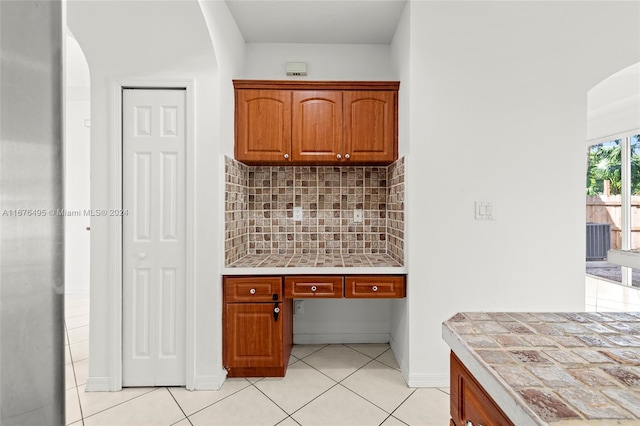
(317, 21)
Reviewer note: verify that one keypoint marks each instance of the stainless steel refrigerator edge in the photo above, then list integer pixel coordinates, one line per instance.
(31, 190)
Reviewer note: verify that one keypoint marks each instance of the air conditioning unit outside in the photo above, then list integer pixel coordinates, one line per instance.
(598, 240)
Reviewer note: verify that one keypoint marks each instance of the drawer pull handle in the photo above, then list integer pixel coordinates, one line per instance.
(338, 156)
(252, 291)
(374, 288)
(314, 288)
(286, 156)
(347, 156)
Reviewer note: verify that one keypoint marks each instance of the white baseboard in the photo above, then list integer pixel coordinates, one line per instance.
(98, 384)
(428, 380)
(209, 382)
(340, 338)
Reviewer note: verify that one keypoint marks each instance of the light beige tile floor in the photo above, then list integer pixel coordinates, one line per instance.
(325, 384)
(357, 384)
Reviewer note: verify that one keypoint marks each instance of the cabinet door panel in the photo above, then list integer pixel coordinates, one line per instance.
(313, 286)
(317, 126)
(252, 338)
(263, 125)
(370, 126)
(469, 400)
(375, 286)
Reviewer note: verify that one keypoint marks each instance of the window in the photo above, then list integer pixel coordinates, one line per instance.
(613, 206)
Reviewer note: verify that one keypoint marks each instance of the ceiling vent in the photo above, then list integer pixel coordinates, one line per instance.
(297, 68)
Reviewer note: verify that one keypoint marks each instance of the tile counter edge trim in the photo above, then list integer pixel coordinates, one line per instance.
(315, 271)
(508, 402)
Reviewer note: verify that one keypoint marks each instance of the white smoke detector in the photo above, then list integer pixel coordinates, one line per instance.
(297, 68)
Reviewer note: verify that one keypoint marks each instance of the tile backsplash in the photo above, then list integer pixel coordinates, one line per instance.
(259, 203)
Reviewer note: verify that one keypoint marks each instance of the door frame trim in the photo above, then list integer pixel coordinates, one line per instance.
(115, 227)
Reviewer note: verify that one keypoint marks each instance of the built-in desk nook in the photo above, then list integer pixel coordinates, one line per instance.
(258, 302)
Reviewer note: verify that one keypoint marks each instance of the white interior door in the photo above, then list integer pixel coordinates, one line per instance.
(153, 240)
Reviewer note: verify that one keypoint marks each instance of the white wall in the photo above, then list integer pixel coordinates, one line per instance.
(160, 41)
(498, 107)
(76, 185)
(266, 61)
(401, 60)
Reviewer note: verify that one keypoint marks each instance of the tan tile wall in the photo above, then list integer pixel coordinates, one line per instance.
(328, 195)
(395, 210)
(235, 210)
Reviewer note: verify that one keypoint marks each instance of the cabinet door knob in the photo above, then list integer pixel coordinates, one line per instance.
(338, 156)
(374, 288)
(252, 291)
(347, 156)
(286, 156)
(314, 288)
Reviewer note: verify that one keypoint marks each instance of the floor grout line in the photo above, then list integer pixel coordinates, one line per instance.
(179, 406)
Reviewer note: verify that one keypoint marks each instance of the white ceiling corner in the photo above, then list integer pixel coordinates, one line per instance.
(317, 21)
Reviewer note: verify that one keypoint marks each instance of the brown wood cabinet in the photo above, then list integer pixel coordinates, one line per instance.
(257, 314)
(289, 122)
(470, 403)
(263, 125)
(258, 327)
(323, 286)
(375, 286)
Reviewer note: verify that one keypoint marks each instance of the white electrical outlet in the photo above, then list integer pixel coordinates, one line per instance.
(298, 307)
(297, 214)
(357, 215)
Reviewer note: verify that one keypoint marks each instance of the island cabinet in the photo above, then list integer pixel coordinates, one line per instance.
(258, 327)
(470, 403)
(339, 123)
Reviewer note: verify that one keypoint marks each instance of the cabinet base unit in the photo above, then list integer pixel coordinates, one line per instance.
(258, 327)
(470, 403)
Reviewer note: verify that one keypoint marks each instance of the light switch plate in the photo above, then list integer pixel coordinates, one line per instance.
(485, 210)
(297, 214)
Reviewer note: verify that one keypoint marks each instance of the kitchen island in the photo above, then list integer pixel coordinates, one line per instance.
(545, 368)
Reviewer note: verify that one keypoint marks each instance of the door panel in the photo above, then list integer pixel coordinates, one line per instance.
(252, 338)
(317, 126)
(263, 125)
(370, 125)
(153, 188)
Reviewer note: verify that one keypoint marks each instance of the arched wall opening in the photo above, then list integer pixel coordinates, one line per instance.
(77, 143)
(613, 190)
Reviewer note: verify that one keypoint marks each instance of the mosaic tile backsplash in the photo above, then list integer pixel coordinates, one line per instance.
(259, 203)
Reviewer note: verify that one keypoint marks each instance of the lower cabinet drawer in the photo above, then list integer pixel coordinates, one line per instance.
(252, 289)
(372, 286)
(313, 286)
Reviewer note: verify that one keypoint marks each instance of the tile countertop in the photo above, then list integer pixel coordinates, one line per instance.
(316, 263)
(553, 368)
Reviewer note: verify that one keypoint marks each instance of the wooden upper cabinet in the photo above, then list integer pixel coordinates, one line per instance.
(317, 126)
(370, 130)
(315, 122)
(263, 125)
